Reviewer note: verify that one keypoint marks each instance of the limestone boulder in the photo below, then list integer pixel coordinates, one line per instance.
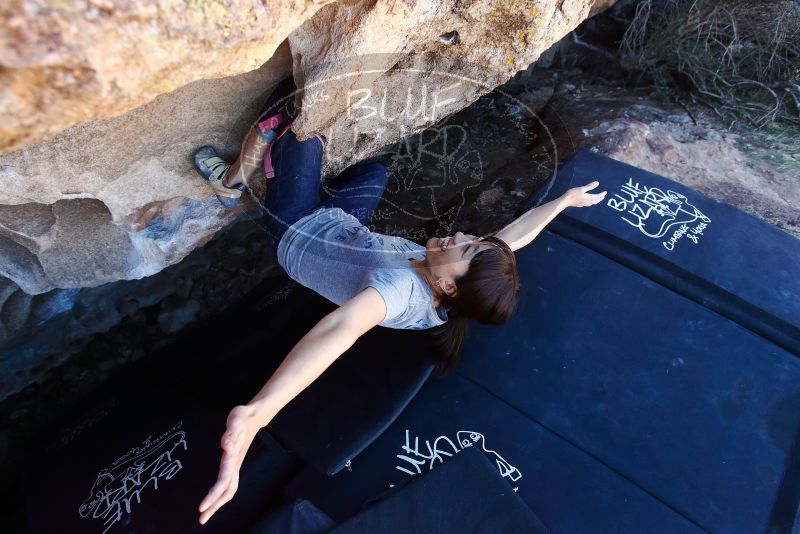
(117, 198)
(371, 72)
(63, 63)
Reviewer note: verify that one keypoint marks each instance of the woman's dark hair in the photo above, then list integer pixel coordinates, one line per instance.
(487, 293)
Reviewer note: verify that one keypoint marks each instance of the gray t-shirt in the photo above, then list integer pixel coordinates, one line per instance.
(332, 253)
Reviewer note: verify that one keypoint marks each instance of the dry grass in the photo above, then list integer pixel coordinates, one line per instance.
(740, 57)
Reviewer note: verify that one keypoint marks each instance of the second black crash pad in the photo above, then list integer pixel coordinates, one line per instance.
(464, 494)
(297, 517)
(567, 489)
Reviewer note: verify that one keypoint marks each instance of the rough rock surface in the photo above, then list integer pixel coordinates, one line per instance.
(142, 315)
(63, 63)
(399, 66)
(117, 199)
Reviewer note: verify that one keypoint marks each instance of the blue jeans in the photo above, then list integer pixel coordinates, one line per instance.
(296, 190)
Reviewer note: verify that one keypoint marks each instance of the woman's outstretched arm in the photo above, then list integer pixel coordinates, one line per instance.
(527, 226)
(319, 348)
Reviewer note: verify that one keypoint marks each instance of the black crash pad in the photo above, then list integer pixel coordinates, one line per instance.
(568, 489)
(697, 410)
(297, 517)
(341, 412)
(355, 399)
(142, 462)
(656, 370)
(705, 250)
(464, 494)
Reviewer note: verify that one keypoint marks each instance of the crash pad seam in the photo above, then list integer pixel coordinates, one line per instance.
(586, 452)
(383, 427)
(693, 287)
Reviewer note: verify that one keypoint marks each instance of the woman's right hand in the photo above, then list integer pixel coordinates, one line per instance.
(580, 197)
(242, 426)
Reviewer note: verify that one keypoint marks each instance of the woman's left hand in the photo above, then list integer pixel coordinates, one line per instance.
(580, 197)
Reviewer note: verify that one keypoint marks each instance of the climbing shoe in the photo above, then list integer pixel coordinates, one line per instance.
(214, 169)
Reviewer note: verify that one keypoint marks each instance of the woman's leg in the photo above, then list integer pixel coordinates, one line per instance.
(357, 190)
(249, 161)
(251, 156)
(292, 193)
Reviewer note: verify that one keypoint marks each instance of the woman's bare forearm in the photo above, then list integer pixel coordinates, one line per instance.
(314, 353)
(318, 349)
(527, 226)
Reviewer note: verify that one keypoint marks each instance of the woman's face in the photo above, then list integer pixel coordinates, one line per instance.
(449, 257)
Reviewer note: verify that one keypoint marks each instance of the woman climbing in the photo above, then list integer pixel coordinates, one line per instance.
(376, 279)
